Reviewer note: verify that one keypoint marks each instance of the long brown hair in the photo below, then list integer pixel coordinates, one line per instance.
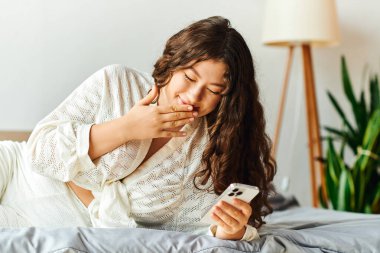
(239, 149)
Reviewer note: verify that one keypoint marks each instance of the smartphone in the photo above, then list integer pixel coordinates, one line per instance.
(240, 191)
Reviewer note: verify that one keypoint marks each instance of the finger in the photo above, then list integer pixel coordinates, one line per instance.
(225, 217)
(176, 123)
(175, 108)
(232, 212)
(168, 117)
(220, 222)
(148, 99)
(243, 206)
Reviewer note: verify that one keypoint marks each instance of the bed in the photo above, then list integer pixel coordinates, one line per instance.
(294, 230)
(289, 229)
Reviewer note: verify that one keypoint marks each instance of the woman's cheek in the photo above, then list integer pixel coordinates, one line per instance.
(207, 109)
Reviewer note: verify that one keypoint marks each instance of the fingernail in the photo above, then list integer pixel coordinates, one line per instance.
(190, 108)
(191, 119)
(195, 113)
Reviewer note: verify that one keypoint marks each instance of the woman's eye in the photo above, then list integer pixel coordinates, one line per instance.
(214, 92)
(188, 78)
(210, 90)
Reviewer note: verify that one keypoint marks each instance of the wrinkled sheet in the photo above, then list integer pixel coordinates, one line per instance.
(294, 230)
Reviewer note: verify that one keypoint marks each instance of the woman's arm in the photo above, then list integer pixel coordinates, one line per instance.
(103, 139)
(83, 139)
(60, 143)
(141, 122)
(136, 124)
(106, 137)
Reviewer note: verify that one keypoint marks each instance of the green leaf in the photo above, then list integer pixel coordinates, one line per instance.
(322, 200)
(347, 83)
(368, 209)
(341, 113)
(375, 206)
(341, 133)
(346, 191)
(361, 115)
(332, 174)
(358, 107)
(335, 131)
(375, 94)
(373, 129)
(341, 151)
(334, 169)
(357, 187)
(364, 166)
(371, 138)
(372, 197)
(357, 177)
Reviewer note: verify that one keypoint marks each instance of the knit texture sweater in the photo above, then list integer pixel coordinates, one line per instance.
(159, 193)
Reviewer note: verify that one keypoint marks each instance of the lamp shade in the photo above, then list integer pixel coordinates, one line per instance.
(293, 22)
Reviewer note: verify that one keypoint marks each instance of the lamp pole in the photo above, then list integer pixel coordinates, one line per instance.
(315, 147)
(282, 101)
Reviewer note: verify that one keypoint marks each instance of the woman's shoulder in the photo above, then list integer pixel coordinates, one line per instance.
(121, 70)
(118, 78)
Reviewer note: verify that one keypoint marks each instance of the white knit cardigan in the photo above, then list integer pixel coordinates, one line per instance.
(158, 194)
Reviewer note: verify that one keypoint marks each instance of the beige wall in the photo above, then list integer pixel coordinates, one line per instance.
(14, 135)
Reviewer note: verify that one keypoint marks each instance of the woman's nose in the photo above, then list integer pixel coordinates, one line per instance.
(195, 94)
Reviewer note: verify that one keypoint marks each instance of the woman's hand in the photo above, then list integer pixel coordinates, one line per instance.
(148, 122)
(231, 219)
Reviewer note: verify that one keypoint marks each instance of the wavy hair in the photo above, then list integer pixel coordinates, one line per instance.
(239, 148)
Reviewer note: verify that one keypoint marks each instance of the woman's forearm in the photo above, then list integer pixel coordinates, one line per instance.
(107, 136)
(104, 138)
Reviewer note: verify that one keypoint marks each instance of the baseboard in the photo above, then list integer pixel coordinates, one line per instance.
(14, 135)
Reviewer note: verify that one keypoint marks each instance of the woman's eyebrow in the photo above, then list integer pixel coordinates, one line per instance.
(197, 74)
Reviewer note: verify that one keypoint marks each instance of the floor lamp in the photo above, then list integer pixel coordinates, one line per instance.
(303, 24)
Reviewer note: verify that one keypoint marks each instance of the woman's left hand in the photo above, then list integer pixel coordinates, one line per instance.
(231, 219)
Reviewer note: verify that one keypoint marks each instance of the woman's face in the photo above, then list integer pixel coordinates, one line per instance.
(199, 85)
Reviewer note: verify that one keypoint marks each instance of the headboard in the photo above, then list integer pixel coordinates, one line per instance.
(14, 135)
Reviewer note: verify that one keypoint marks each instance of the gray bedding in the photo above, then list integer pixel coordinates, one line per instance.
(294, 230)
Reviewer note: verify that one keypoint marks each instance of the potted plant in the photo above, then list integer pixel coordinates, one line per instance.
(354, 186)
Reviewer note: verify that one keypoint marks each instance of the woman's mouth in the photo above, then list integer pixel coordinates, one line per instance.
(184, 102)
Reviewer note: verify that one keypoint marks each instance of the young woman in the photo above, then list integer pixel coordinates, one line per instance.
(156, 152)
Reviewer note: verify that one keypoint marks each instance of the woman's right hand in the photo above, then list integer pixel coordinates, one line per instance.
(147, 122)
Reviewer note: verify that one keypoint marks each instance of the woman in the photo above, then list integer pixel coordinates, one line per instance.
(160, 160)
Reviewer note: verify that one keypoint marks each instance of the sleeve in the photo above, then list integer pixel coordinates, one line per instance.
(58, 146)
(111, 207)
